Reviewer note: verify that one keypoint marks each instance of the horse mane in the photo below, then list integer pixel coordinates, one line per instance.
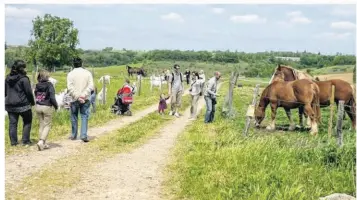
(296, 73)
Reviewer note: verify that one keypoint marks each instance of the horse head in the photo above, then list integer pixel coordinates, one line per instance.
(278, 76)
(259, 115)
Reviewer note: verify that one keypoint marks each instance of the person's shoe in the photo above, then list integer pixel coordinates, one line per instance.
(14, 144)
(72, 138)
(26, 144)
(46, 146)
(171, 113)
(85, 139)
(40, 145)
(177, 114)
(192, 118)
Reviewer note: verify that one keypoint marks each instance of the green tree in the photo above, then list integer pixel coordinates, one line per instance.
(53, 42)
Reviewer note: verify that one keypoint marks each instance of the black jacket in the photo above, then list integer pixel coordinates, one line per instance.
(18, 92)
(45, 94)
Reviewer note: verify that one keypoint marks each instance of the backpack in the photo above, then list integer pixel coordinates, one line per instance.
(173, 75)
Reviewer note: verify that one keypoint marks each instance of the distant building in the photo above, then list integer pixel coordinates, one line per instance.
(296, 59)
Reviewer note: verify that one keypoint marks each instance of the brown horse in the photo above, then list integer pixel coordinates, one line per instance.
(135, 70)
(343, 91)
(289, 95)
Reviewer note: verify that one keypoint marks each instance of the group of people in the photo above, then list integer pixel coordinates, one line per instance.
(20, 97)
(197, 88)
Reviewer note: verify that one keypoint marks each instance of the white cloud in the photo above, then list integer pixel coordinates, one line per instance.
(172, 17)
(343, 25)
(297, 17)
(332, 35)
(247, 19)
(21, 13)
(294, 13)
(218, 10)
(344, 11)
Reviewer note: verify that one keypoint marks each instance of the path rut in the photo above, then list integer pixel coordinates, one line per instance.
(17, 167)
(137, 174)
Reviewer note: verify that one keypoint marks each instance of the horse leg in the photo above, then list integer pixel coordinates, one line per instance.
(292, 125)
(301, 112)
(311, 115)
(274, 107)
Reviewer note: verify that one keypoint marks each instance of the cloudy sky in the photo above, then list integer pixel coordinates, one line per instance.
(250, 28)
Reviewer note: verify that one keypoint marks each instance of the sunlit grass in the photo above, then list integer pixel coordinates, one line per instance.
(216, 162)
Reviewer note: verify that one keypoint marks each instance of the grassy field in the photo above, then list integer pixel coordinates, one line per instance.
(338, 69)
(216, 162)
(61, 121)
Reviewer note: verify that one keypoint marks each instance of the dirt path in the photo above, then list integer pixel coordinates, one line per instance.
(134, 175)
(20, 166)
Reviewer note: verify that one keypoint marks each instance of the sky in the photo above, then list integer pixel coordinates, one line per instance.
(250, 28)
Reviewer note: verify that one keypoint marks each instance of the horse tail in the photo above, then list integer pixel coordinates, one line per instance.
(316, 102)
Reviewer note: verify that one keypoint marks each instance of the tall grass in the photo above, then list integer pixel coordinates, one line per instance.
(216, 162)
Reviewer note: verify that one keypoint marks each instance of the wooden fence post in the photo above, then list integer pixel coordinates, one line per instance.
(227, 108)
(251, 108)
(139, 85)
(33, 79)
(104, 92)
(332, 102)
(341, 110)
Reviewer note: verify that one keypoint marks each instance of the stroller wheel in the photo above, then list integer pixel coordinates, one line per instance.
(129, 113)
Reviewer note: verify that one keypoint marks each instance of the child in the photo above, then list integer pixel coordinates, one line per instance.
(45, 101)
(162, 104)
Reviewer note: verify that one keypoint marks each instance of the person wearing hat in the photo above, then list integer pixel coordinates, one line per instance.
(175, 90)
(210, 95)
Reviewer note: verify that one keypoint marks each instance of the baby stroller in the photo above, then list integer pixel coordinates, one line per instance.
(122, 101)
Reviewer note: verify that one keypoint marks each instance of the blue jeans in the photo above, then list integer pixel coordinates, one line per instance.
(84, 110)
(211, 109)
(92, 102)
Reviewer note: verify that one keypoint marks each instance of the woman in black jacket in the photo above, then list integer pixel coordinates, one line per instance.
(45, 102)
(18, 101)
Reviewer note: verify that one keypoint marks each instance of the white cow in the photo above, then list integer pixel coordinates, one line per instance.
(53, 81)
(100, 95)
(106, 79)
(157, 81)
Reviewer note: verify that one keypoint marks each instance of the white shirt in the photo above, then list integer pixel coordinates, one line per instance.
(80, 83)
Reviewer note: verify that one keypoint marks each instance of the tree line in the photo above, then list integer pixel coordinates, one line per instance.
(54, 42)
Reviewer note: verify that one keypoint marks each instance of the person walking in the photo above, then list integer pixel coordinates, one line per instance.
(175, 90)
(195, 92)
(210, 96)
(45, 102)
(80, 84)
(18, 101)
(188, 74)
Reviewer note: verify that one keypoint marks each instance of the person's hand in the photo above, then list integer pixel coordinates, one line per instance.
(81, 100)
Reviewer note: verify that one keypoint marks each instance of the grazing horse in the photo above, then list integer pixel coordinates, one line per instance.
(135, 70)
(289, 95)
(343, 91)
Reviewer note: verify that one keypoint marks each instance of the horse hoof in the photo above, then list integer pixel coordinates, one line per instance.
(313, 133)
(291, 128)
(269, 128)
